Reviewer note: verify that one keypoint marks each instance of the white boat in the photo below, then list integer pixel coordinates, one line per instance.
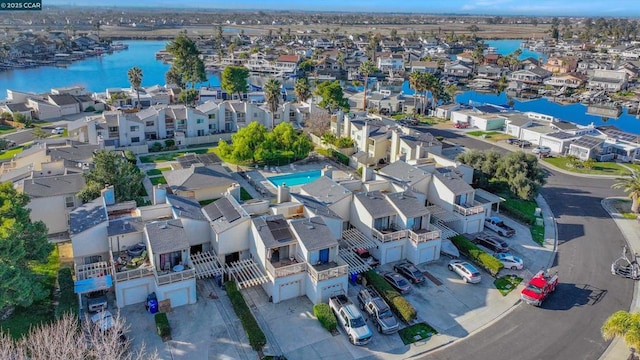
(448, 249)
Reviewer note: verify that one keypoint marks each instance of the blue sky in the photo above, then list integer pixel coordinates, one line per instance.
(628, 8)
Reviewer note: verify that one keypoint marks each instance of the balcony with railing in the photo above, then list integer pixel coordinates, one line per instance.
(468, 211)
(133, 274)
(287, 267)
(175, 276)
(392, 233)
(327, 271)
(424, 235)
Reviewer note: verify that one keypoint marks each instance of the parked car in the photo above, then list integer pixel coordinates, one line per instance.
(461, 125)
(543, 150)
(58, 130)
(513, 141)
(410, 272)
(524, 143)
(97, 301)
(467, 272)
(397, 281)
(365, 255)
(510, 261)
(491, 242)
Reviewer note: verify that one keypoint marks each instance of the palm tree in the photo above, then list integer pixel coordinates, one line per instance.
(135, 79)
(630, 185)
(272, 96)
(366, 69)
(625, 325)
(414, 79)
(302, 89)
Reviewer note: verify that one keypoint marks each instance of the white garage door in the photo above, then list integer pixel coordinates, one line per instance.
(134, 295)
(474, 226)
(428, 254)
(327, 291)
(394, 254)
(290, 290)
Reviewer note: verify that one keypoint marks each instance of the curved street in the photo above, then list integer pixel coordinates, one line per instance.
(567, 326)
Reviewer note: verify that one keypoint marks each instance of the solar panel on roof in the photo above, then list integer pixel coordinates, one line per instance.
(214, 212)
(227, 210)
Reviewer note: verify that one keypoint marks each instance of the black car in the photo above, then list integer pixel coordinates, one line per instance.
(513, 141)
(397, 281)
(410, 272)
(492, 243)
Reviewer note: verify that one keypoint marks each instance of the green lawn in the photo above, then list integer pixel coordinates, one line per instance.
(170, 156)
(40, 312)
(600, 168)
(8, 154)
(487, 134)
(635, 167)
(524, 211)
(155, 172)
(417, 332)
(624, 208)
(244, 195)
(206, 202)
(506, 284)
(157, 180)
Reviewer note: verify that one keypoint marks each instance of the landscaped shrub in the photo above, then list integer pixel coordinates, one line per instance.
(477, 255)
(326, 317)
(90, 109)
(257, 340)
(397, 302)
(340, 157)
(68, 301)
(162, 324)
(518, 215)
(169, 144)
(155, 147)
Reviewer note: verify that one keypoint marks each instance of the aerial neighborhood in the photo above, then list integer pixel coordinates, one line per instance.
(320, 185)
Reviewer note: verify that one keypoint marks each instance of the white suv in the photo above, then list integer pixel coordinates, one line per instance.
(545, 150)
(466, 271)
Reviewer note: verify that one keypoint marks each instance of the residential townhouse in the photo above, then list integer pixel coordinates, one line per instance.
(608, 80)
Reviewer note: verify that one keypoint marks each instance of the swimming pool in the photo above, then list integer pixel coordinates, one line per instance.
(295, 179)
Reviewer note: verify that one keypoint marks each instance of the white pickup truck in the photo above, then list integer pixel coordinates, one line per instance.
(351, 320)
(496, 224)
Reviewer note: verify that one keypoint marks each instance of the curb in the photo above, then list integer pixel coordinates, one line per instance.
(618, 342)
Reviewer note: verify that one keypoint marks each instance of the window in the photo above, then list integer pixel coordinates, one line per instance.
(149, 123)
(92, 259)
(200, 121)
(212, 116)
(134, 128)
(212, 126)
(69, 201)
(180, 122)
(200, 132)
(113, 129)
(276, 116)
(135, 139)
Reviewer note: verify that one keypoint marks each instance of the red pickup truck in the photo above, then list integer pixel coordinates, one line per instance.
(539, 288)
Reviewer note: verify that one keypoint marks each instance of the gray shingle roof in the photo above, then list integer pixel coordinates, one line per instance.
(87, 216)
(224, 213)
(198, 177)
(274, 231)
(166, 236)
(314, 233)
(185, 208)
(407, 204)
(54, 185)
(315, 206)
(125, 226)
(402, 171)
(452, 181)
(64, 99)
(587, 142)
(76, 153)
(326, 190)
(376, 204)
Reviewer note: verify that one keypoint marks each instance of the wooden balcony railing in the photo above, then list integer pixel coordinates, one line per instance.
(133, 274)
(330, 273)
(174, 277)
(468, 211)
(286, 268)
(424, 236)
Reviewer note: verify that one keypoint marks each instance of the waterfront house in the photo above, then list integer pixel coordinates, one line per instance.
(424, 66)
(485, 118)
(456, 69)
(533, 76)
(608, 80)
(568, 80)
(560, 65)
(493, 72)
(389, 62)
(586, 147)
(444, 111)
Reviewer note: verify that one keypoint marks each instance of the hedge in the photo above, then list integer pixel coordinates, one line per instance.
(396, 302)
(326, 317)
(162, 324)
(517, 214)
(477, 255)
(257, 340)
(68, 301)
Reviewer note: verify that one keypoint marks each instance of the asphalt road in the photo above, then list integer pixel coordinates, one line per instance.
(20, 137)
(567, 326)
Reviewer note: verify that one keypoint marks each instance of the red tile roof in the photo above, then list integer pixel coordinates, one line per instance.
(288, 58)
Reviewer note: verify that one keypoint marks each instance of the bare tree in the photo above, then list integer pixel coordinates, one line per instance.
(67, 339)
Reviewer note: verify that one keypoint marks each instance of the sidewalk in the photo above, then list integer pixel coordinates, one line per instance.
(630, 229)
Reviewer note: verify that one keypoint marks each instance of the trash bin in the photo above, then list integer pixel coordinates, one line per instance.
(354, 278)
(153, 306)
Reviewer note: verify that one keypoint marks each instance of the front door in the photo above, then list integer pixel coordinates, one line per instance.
(324, 256)
(230, 258)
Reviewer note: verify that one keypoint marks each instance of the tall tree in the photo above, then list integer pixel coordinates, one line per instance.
(302, 89)
(187, 64)
(112, 169)
(272, 94)
(630, 185)
(135, 79)
(366, 68)
(332, 96)
(414, 80)
(234, 79)
(22, 243)
(624, 325)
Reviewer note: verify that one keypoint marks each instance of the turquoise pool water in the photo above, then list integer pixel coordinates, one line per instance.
(295, 179)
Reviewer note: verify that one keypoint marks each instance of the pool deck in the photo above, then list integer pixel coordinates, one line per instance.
(258, 177)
